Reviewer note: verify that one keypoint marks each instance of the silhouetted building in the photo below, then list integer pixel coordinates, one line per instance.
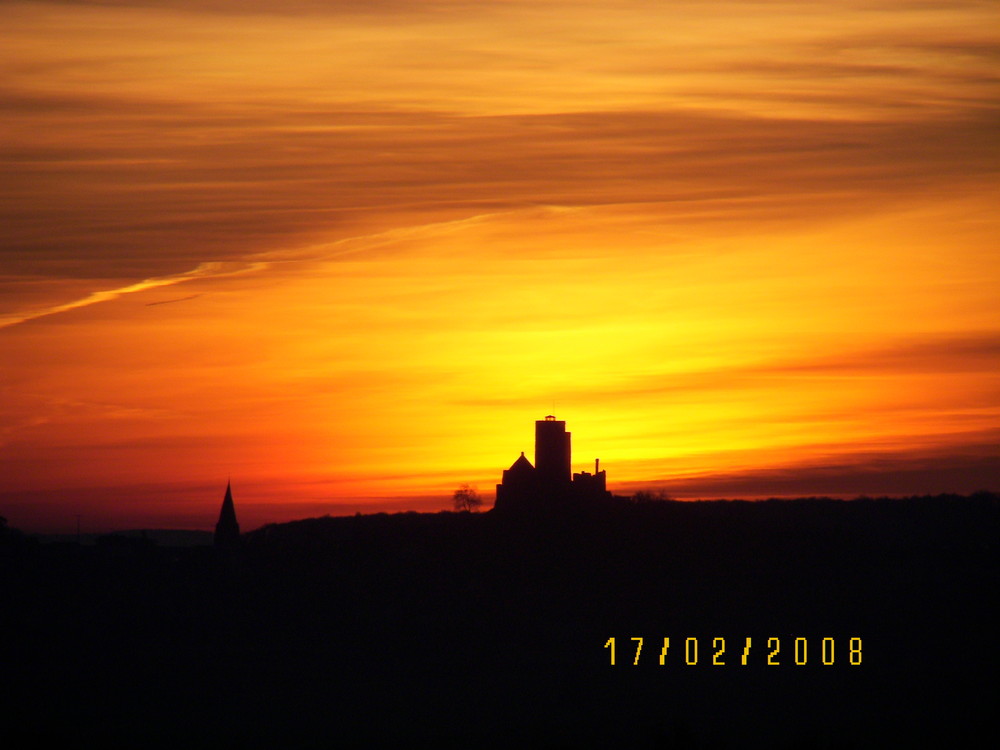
(549, 484)
(552, 451)
(227, 530)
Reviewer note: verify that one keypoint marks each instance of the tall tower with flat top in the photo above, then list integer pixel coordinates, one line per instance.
(552, 452)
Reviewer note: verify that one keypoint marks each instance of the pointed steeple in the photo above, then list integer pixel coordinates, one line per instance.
(227, 530)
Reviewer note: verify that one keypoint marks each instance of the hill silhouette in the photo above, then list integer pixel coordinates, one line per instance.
(465, 629)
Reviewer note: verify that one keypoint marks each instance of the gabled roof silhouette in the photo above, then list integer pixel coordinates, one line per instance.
(521, 465)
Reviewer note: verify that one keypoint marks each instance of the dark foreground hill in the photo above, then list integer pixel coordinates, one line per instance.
(877, 618)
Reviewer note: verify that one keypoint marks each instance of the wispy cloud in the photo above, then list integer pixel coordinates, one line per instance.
(730, 237)
(209, 269)
(171, 301)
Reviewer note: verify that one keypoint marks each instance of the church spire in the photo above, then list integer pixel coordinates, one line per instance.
(227, 530)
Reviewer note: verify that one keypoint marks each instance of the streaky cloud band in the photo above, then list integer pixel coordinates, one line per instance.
(207, 269)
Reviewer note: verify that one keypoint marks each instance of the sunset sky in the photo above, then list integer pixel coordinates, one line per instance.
(347, 252)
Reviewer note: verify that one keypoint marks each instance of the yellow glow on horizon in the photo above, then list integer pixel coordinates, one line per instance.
(358, 250)
(404, 365)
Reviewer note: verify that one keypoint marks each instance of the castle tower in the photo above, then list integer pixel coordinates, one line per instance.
(552, 452)
(548, 487)
(227, 530)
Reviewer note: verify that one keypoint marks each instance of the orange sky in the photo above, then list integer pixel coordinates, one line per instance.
(347, 256)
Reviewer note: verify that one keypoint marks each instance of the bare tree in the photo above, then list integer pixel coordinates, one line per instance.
(467, 498)
(650, 496)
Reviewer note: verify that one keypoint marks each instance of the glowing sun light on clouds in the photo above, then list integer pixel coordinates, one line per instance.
(726, 239)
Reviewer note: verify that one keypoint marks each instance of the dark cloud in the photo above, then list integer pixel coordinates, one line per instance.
(383, 9)
(972, 352)
(99, 184)
(452, 6)
(111, 187)
(962, 469)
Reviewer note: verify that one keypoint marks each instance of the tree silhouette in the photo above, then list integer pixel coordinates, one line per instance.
(650, 496)
(467, 498)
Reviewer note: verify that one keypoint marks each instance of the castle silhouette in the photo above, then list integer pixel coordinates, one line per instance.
(549, 484)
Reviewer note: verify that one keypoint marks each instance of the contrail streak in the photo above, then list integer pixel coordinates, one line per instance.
(203, 270)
